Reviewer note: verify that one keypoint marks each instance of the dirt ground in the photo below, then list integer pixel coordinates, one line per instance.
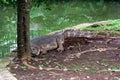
(82, 59)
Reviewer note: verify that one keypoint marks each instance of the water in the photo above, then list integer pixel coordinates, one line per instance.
(59, 17)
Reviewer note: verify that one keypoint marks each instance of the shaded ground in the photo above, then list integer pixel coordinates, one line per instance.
(99, 60)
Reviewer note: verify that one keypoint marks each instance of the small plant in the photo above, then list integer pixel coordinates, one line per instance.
(24, 67)
(76, 68)
(61, 66)
(92, 70)
(113, 68)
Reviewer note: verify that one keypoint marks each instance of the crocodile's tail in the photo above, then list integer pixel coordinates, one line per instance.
(77, 33)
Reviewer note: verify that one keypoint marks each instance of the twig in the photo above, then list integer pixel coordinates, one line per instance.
(117, 70)
(48, 69)
(91, 50)
(79, 46)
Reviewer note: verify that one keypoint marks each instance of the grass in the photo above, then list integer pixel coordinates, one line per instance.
(114, 27)
(113, 68)
(68, 15)
(107, 30)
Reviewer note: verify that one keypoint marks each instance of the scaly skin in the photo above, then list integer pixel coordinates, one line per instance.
(46, 43)
(55, 41)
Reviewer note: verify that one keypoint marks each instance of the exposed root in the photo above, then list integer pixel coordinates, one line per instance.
(90, 50)
(28, 65)
(48, 69)
(40, 68)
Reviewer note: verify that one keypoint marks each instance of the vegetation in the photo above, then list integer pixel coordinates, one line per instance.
(114, 27)
(59, 16)
(48, 2)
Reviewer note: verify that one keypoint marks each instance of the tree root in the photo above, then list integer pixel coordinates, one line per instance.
(40, 68)
(48, 69)
(90, 50)
(28, 65)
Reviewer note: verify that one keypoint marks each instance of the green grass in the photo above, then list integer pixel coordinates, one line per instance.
(114, 27)
(69, 14)
(114, 68)
(101, 28)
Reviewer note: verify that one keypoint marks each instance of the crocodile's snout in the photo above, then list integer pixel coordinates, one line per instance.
(35, 50)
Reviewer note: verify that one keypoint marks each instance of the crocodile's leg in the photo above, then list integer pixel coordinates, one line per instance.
(60, 48)
(60, 43)
(43, 51)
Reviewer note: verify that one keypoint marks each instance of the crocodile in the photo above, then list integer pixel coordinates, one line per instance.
(49, 42)
(55, 41)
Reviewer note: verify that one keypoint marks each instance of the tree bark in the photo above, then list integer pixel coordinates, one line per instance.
(23, 33)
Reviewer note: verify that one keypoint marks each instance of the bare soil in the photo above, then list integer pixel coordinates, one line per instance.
(82, 59)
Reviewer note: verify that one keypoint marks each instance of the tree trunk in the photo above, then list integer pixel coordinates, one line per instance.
(23, 33)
